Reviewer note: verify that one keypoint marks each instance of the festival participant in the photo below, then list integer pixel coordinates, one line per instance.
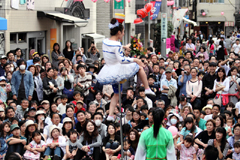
(156, 136)
(117, 66)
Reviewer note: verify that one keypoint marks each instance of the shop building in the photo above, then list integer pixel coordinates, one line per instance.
(40, 24)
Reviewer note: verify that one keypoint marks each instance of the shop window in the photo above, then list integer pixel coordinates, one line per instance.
(13, 38)
(211, 1)
(22, 37)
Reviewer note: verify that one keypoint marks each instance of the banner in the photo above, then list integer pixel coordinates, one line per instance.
(168, 43)
(154, 12)
(178, 17)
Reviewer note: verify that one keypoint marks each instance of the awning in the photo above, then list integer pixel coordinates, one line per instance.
(3, 23)
(189, 21)
(211, 19)
(58, 16)
(98, 38)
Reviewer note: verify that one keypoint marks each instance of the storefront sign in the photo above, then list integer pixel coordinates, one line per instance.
(229, 24)
(53, 36)
(164, 26)
(119, 5)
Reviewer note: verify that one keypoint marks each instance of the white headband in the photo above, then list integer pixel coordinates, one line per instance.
(111, 26)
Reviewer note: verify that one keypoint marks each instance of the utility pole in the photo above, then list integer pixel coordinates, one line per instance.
(164, 27)
(149, 30)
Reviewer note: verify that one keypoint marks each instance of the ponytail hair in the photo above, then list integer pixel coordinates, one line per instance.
(115, 26)
(158, 115)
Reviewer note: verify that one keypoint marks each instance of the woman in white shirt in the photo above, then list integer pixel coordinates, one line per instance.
(194, 89)
(221, 86)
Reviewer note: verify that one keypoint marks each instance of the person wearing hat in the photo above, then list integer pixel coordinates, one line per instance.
(67, 126)
(30, 62)
(44, 59)
(3, 61)
(207, 109)
(31, 113)
(40, 120)
(79, 106)
(22, 83)
(16, 142)
(30, 128)
(165, 83)
(55, 143)
(208, 83)
(46, 106)
(4, 90)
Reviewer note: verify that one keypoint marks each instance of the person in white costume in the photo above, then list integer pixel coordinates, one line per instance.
(117, 67)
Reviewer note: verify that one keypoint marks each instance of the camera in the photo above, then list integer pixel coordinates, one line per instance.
(185, 72)
(142, 61)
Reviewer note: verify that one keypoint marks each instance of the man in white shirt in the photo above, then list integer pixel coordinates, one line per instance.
(55, 118)
(236, 47)
(190, 46)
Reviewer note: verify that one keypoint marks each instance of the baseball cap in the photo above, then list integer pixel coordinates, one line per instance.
(168, 70)
(45, 101)
(2, 78)
(14, 126)
(3, 57)
(79, 101)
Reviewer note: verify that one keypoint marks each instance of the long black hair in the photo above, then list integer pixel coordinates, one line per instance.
(56, 44)
(158, 115)
(66, 48)
(224, 74)
(224, 140)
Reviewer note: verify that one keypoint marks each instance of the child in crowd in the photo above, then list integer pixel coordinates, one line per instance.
(71, 147)
(187, 151)
(58, 100)
(3, 148)
(189, 127)
(16, 142)
(35, 147)
(62, 106)
(236, 154)
(79, 106)
(229, 126)
(128, 150)
(55, 143)
(77, 96)
(143, 116)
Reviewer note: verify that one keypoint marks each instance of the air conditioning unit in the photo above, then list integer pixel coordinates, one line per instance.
(204, 11)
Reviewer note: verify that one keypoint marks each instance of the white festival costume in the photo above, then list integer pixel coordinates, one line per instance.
(117, 67)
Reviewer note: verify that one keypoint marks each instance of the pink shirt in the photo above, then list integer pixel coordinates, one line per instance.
(187, 153)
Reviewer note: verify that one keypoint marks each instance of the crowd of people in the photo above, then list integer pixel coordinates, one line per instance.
(54, 107)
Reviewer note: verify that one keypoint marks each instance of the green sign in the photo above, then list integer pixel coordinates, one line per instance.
(119, 5)
(164, 25)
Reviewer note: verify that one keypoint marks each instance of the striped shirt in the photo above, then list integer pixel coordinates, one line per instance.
(85, 81)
